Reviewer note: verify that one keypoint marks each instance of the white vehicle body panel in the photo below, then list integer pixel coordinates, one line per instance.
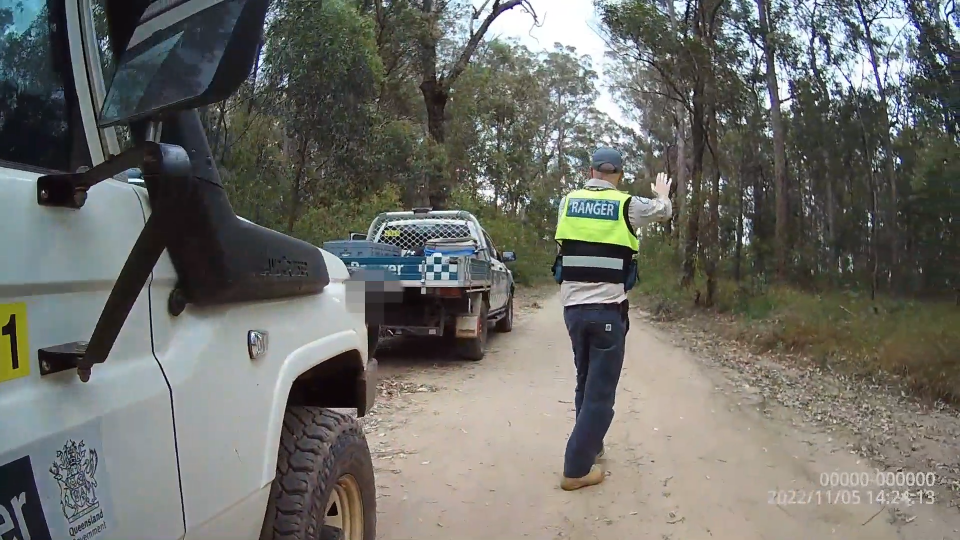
(229, 408)
(62, 264)
(242, 521)
(178, 398)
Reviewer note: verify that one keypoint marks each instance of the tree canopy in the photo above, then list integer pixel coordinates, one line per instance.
(812, 142)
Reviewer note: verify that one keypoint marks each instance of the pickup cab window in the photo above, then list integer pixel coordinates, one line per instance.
(491, 249)
(40, 123)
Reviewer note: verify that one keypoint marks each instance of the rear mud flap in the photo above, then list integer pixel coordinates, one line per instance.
(468, 326)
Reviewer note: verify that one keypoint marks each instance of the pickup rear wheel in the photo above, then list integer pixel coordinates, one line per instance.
(324, 486)
(505, 324)
(475, 348)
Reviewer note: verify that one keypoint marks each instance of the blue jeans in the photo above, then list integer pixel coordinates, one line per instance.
(598, 334)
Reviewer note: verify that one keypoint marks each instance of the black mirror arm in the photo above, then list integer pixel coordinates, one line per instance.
(161, 226)
(69, 190)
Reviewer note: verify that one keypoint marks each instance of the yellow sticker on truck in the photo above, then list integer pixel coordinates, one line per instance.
(14, 342)
(391, 232)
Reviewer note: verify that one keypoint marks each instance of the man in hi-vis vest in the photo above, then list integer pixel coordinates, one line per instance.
(595, 267)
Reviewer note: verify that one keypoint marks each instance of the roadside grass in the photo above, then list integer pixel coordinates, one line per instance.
(919, 342)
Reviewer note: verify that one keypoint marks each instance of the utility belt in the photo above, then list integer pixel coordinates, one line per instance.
(619, 307)
(630, 274)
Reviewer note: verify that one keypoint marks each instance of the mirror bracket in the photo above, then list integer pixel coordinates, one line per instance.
(69, 190)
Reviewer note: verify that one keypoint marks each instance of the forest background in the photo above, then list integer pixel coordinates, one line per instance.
(814, 147)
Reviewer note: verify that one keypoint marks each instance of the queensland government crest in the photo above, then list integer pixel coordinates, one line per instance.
(75, 471)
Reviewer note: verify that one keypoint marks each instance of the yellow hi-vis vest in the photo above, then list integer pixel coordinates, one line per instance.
(596, 244)
(596, 215)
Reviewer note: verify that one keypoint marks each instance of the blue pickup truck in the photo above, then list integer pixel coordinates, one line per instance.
(442, 276)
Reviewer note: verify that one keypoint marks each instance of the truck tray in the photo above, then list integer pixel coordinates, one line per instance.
(433, 271)
(361, 248)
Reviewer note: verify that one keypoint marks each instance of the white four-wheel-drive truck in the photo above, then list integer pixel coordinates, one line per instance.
(167, 369)
(441, 276)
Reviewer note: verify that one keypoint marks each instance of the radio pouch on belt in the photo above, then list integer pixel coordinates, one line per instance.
(632, 274)
(556, 268)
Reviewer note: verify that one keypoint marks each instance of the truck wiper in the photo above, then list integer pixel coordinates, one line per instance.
(69, 190)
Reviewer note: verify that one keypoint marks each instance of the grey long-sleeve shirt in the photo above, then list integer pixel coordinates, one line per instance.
(642, 212)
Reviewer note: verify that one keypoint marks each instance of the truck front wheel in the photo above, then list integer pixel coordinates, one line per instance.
(474, 348)
(324, 486)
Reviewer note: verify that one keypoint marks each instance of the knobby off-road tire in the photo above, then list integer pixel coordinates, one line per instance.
(323, 458)
(475, 348)
(505, 324)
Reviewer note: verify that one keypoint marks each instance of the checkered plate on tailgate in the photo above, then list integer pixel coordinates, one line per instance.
(438, 267)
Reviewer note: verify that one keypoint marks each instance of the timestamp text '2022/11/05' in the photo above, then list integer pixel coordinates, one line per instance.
(885, 497)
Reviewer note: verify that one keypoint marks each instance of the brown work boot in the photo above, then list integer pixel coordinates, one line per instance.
(594, 477)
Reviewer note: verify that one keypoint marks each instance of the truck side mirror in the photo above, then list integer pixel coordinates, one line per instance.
(358, 236)
(201, 57)
(508, 256)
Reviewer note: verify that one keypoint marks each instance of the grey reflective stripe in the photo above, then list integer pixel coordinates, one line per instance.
(585, 261)
(180, 11)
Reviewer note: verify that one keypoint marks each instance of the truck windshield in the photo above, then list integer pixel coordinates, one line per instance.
(40, 123)
(412, 236)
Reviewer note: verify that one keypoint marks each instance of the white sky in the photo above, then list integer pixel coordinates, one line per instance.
(569, 22)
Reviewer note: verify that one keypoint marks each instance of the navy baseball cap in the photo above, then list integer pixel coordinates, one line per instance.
(607, 160)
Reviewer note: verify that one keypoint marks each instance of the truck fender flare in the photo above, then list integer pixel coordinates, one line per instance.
(297, 363)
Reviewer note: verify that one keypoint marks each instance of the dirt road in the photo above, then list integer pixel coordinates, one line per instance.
(475, 450)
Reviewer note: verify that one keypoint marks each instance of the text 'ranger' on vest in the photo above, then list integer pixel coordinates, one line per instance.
(595, 209)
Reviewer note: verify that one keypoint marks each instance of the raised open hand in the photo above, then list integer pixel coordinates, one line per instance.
(662, 186)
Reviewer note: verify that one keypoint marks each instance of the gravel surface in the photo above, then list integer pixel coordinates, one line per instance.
(704, 433)
(875, 419)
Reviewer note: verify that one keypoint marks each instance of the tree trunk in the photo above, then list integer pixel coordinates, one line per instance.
(296, 185)
(738, 257)
(874, 256)
(696, 177)
(713, 214)
(435, 96)
(252, 88)
(893, 223)
(680, 199)
(760, 233)
(782, 246)
(435, 86)
(831, 236)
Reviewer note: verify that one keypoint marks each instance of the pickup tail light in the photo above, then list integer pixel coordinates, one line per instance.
(449, 292)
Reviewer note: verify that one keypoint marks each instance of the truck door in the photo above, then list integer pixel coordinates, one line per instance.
(78, 460)
(499, 291)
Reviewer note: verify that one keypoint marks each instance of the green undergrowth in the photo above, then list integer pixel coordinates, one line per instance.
(845, 330)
